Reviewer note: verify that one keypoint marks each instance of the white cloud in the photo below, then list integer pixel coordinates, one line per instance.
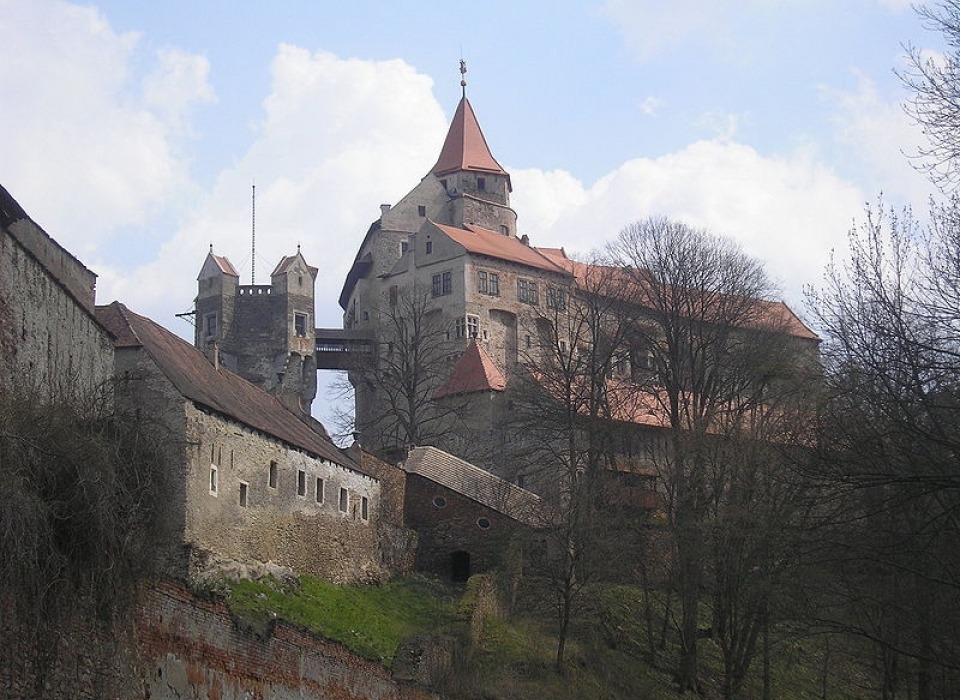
(82, 150)
(177, 84)
(338, 137)
(878, 137)
(651, 105)
(789, 212)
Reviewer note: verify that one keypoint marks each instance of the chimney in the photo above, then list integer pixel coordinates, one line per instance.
(213, 353)
(384, 208)
(525, 239)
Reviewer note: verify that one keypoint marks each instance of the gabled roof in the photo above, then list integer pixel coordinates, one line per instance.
(214, 264)
(475, 483)
(481, 241)
(474, 372)
(216, 388)
(287, 261)
(465, 148)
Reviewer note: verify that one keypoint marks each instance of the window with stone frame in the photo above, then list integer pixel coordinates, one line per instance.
(527, 292)
(460, 327)
(301, 483)
(488, 283)
(210, 325)
(364, 508)
(272, 475)
(556, 299)
(442, 283)
(244, 490)
(214, 480)
(344, 500)
(473, 326)
(319, 491)
(300, 324)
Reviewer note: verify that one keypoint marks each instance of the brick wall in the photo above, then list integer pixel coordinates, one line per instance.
(176, 645)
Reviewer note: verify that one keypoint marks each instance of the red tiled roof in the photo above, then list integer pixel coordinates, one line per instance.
(480, 241)
(286, 261)
(766, 314)
(474, 372)
(215, 388)
(465, 148)
(225, 265)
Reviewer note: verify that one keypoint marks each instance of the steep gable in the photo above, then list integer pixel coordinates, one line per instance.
(474, 372)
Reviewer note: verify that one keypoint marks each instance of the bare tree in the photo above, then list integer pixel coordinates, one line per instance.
(934, 80)
(565, 413)
(890, 440)
(396, 383)
(714, 347)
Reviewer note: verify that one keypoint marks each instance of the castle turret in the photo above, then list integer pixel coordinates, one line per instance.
(264, 333)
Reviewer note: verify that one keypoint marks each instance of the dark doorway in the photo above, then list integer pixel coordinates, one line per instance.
(460, 566)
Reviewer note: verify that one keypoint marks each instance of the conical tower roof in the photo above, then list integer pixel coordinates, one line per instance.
(465, 148)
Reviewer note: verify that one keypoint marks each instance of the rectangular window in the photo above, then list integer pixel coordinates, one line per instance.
(527, 292)
(213, 480)
(300, 325)
(488, 283)
(481, 184)
(210, 325)
(461, 327)
(243, 494)
(319, 490)
(556, 299)
(404, 247)
(442, 284)
(429, 247)
(344, 500)
(301, 483)
(473, 326)
(272, 476)
(421, 210)
(364, 508)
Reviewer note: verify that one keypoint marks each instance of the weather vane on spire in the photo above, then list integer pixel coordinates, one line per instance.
(463, 79)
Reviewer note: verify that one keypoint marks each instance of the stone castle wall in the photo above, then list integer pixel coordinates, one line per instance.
(49, 339)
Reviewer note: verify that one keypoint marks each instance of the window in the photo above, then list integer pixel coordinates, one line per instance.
(527, 292)
(442, 284)
(439, 501)
(481, 184)
(556, 299)
(300, 325)
(483, 523)
(473, 326)
(364, 508)
(319, 490)
(210, 325)
(344, 500)
(421, 210)
(429, 247)
(529, 342)
(301, 483)
(443, 184)
(272, 476)
(488, 283)
(213, 480)
(461, 327)
(504, 230)
(243, 494)
(404, 247)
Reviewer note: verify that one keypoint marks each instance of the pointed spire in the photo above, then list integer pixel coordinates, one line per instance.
(465, 148)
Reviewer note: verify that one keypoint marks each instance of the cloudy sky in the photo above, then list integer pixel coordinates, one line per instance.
(132, 132)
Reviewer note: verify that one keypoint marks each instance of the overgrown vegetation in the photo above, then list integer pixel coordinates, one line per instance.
(514, 658)
(77, 528)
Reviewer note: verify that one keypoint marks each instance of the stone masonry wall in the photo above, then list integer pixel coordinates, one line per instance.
(48, 335)
(284, 517)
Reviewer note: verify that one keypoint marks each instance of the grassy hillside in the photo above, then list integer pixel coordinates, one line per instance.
(608, 656)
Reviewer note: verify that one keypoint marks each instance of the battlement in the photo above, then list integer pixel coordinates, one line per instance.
(255, 290)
